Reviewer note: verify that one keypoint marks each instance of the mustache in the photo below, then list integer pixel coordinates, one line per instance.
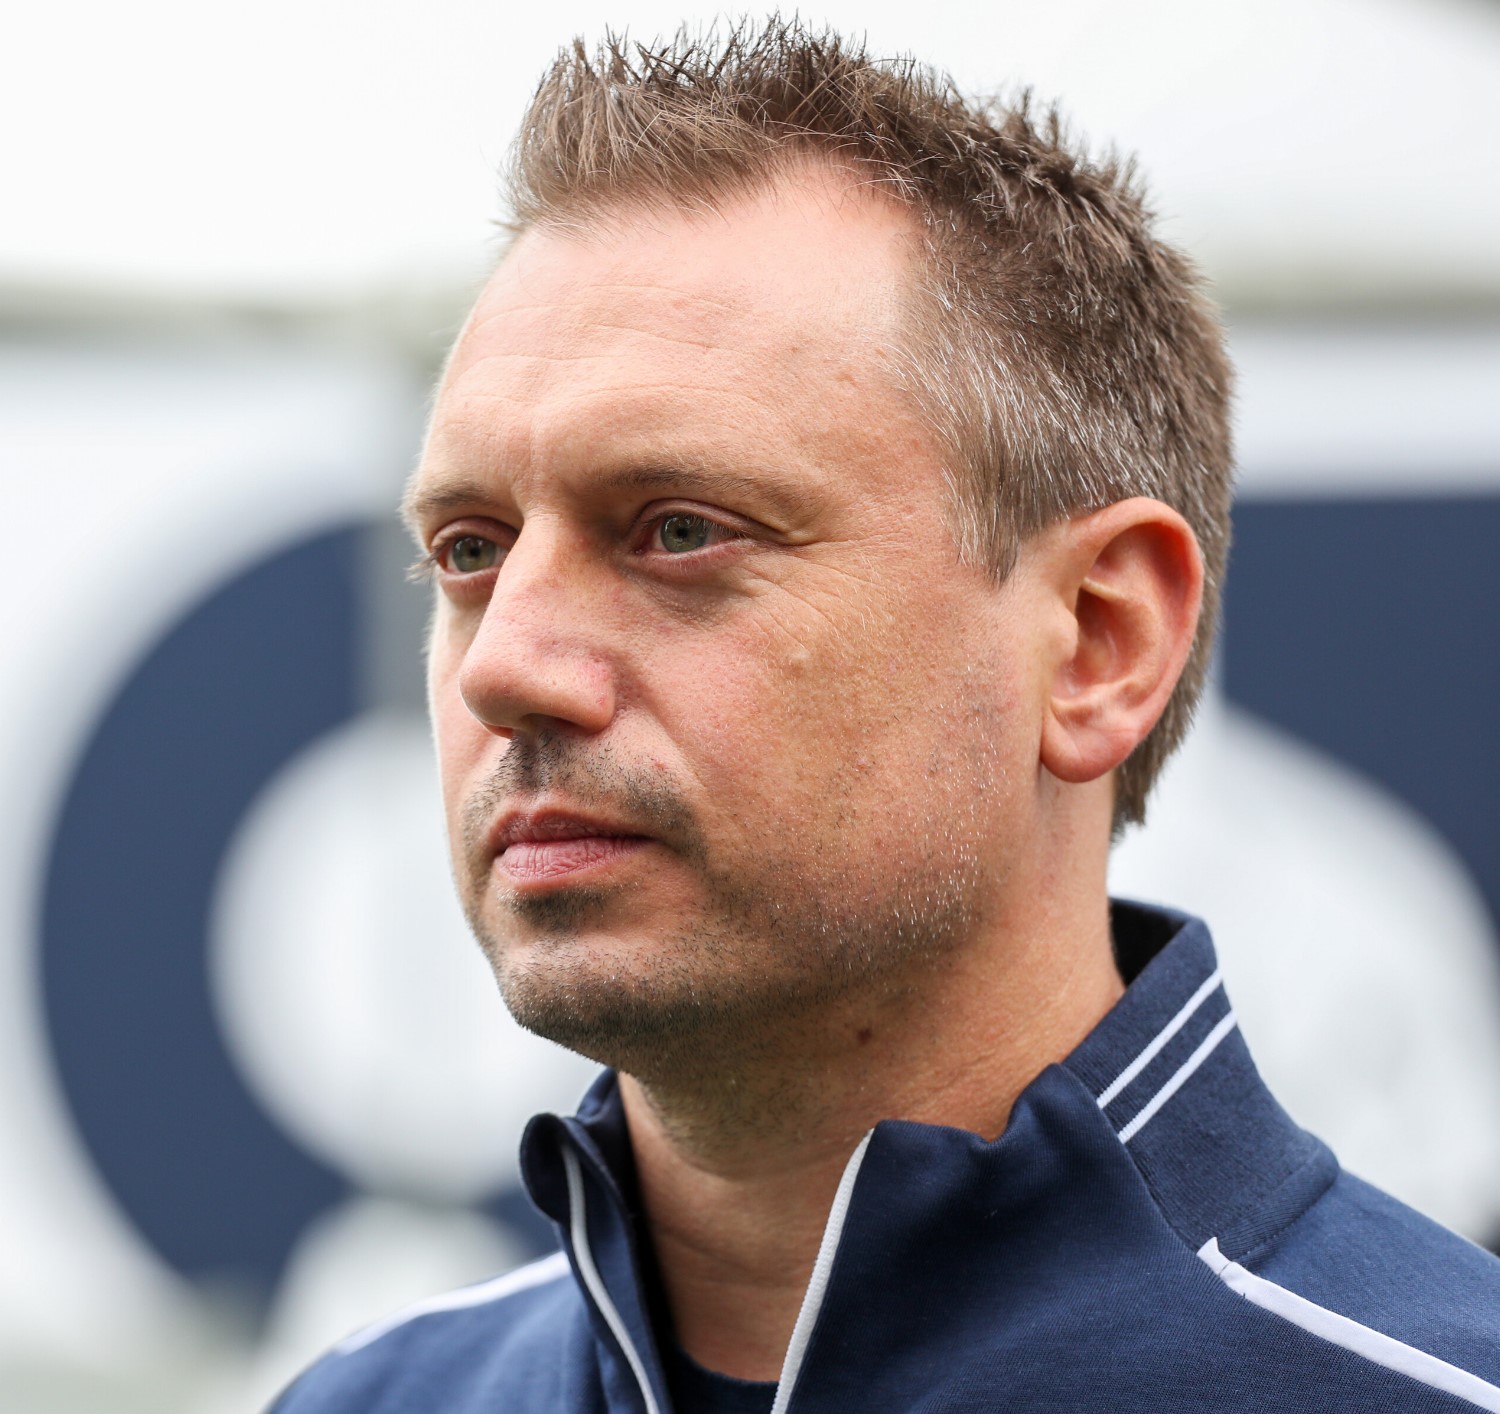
(589, 777)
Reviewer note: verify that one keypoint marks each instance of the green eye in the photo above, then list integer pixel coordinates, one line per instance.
(681, 533)
(472, 554)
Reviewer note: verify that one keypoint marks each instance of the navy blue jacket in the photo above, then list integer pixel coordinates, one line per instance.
(1150, 1233)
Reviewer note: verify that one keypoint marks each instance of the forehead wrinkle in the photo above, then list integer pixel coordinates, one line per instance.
(763, 371)
(617, 354)
(715, 301)
(621, 419)
(595, 338)
(589, 303)
(528, 370)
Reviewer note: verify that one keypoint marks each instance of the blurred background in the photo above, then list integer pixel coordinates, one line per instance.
(255, 1085)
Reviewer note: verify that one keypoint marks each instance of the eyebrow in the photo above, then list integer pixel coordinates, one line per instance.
(423, 503)
(792, 496)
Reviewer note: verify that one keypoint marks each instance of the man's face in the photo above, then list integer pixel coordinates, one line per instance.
(728, 736)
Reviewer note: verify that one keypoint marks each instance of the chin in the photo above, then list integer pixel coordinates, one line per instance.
(729, 980)
(591, 1001)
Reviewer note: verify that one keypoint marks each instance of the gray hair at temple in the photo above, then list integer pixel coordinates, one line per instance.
(1064, 356)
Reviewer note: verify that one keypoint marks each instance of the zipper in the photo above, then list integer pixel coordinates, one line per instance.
(584, 1256)
(817, 1285)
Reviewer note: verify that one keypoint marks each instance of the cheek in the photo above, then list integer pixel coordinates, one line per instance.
(464, 747)
(912, 729)
(798, 726)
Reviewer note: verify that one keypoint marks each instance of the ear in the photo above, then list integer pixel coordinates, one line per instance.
(1131, 578)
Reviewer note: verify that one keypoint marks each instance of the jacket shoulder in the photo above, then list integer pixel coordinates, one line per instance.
(1388, 1270)
(456, 1352)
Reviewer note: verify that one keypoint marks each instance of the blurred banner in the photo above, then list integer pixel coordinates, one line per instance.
(255, 1081)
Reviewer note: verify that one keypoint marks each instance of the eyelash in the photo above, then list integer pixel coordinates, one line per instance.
(426, 567)
(421, 570)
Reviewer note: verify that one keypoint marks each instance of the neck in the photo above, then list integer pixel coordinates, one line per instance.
(739, 1160)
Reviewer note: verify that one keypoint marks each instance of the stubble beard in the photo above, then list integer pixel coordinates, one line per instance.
(766, 951)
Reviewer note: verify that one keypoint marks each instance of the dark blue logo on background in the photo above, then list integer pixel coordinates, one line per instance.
(262, 667)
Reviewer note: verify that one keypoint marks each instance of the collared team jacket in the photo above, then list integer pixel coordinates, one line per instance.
(1150, 1233)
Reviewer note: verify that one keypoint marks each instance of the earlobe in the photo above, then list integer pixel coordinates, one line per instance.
(1131, 577)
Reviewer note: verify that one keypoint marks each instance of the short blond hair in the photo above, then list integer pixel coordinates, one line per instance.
(1064, 355)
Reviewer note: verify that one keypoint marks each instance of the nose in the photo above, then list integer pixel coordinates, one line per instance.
(538, 660)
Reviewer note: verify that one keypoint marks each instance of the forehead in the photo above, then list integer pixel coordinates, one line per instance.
(812, 251)
(749, 329)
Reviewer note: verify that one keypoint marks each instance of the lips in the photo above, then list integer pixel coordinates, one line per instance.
(535, 847)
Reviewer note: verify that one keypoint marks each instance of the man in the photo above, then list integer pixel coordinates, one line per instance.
(827, 503)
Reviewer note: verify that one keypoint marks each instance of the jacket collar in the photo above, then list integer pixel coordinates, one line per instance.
(1171, 1075)
(1157, 1118)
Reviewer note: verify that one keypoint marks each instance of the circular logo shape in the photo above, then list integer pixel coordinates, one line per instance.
(251, 675)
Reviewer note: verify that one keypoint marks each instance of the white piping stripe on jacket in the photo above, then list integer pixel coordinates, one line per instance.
(584, 1256)
(1205, 1049)
(812, 1300)
(522, 1279)
(1339, 1330)
(1153, 1049)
